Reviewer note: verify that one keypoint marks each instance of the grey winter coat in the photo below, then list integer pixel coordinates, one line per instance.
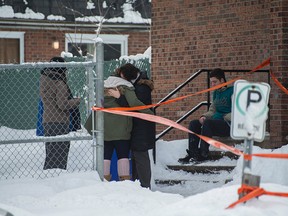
(54, 93)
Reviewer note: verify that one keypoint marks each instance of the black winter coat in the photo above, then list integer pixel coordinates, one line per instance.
(143, 132)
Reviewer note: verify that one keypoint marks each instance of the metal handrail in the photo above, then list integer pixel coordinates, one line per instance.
(177, 89)
(194, 109)
(197, 73)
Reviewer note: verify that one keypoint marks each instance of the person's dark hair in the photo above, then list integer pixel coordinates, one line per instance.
(60, 75)
(57, 59)
(58, 69)
(218, 73)
(129, 71)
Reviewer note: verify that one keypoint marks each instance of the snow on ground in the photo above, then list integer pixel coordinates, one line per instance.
(83, 193)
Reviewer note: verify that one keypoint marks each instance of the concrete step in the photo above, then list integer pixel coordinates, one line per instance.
(202, 168)
(231, 142)
(207, 169)
(171, 182)
(216, 155)
(196, 169)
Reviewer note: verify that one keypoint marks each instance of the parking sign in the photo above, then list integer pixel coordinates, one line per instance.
(249, 110)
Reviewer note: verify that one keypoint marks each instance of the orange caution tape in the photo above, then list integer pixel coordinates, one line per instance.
(263, 64)
(158, 119)
(278, 83)
(276, 194)
(170, 123)
(253, 192)
(246, 189)
(172, 100)
(267, 155)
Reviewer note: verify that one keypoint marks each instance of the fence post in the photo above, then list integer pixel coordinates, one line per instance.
(90, 84)
(99, 89)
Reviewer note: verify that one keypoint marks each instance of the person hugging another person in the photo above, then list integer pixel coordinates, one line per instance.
(143, 133)
(117, 128)
(215, 122)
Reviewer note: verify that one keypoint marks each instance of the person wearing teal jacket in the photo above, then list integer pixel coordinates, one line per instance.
(215, 122)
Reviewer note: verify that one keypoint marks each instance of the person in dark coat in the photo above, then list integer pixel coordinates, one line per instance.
(143, 132)
(57, 101)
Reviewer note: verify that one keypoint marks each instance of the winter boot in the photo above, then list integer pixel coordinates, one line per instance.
(107, 177)
(126, 177)
(186, 159)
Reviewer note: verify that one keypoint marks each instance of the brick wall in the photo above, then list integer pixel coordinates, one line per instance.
(230, 34)
(279, 66)
(138, 42)
(38, 43)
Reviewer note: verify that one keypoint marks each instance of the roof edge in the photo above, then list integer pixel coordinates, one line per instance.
(59, 25)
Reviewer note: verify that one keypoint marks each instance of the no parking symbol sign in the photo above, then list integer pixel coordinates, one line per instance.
(249, 110)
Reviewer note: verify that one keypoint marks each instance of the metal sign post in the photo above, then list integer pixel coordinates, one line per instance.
(249, 114)
(99, 103)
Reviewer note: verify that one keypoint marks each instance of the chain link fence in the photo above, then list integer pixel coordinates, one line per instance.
(23, 148)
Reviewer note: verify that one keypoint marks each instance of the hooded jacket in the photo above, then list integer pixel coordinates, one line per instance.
(118, 127)
(55, 95)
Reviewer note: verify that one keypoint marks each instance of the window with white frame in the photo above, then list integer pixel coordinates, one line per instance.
(115, 46)
(11, 47)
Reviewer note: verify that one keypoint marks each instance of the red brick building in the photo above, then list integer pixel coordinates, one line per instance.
(186, 36)
(230, 34)
(28, 29)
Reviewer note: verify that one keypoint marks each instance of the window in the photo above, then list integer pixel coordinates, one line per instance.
(11, 47)
(115, 46)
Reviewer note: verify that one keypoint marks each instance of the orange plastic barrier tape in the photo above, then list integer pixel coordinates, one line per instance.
(263, 64)
(278, 83)
(276, 194)
(254, 192)
(247, 188)
(267, 155)
(170, 123)
(172, 100)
